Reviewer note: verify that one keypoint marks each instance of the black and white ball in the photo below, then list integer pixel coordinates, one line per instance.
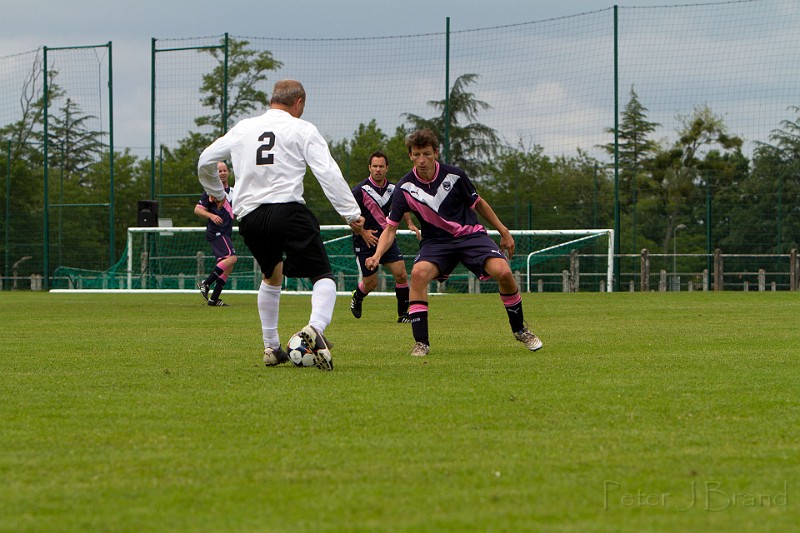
(299, 352)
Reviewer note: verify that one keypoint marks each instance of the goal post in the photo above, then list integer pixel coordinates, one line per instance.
(174, 259)
(576, 237)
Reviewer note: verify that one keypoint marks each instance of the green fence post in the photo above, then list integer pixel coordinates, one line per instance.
(111, 217)
(45, 98)
(617, 232)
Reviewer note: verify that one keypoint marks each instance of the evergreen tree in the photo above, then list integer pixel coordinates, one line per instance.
(634, 152)
(470, 143)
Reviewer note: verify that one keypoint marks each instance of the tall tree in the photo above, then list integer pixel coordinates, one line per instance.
(247, 72)
(773, 193)
(635, 151)
(74, 146)
(470, 142)
(677, 171)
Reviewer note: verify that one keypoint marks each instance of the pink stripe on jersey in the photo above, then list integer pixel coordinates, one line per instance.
(511, 299)
(374, 209)
(433, 218)
(417, 308)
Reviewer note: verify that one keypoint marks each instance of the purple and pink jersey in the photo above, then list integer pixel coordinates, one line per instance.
(374, 202)
(444, 206)
(225, 213)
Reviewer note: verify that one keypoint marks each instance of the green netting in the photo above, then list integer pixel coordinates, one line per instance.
(177, 258)
(550, 84)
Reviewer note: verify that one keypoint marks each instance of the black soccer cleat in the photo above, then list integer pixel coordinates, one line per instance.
(355, 305)
(203, 289)
(404, 319)
(217, 303)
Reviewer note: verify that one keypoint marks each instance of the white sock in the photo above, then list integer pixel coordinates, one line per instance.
(323, 299)
(269, 300)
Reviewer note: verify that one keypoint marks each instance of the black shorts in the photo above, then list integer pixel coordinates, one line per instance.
(221, 246)
(289, 233)
(362, 252)
(472, 251)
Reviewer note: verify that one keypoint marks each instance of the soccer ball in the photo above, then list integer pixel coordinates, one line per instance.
(299, 352)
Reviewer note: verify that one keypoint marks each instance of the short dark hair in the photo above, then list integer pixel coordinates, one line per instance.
(378, 153)
(287, 92)
(421, 139)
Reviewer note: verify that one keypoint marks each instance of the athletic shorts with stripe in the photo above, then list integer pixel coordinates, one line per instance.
(472, 251)
(362, 253)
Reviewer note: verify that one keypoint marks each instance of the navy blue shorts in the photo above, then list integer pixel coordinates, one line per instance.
(286, 232)
(362, 252)
(221, 246)
(472, 251)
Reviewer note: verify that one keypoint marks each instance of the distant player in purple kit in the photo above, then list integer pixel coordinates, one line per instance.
(445, 202)
(374, 196)
(218, 233)
(270, 154)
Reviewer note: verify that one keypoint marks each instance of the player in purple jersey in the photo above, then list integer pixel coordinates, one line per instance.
(219, 229)
(374, 196)
(445, 202)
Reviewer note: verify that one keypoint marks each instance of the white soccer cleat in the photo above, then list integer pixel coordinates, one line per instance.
(420, 349)
(526, 337)
(320, 346)
(275, 356)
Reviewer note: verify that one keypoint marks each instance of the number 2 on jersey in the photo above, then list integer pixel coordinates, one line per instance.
(263, 157)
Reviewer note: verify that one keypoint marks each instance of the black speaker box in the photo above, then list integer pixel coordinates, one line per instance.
(147, 214)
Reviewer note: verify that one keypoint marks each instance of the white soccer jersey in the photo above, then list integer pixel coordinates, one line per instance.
(269, 155)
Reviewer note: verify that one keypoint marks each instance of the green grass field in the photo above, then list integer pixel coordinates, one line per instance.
(643, 412)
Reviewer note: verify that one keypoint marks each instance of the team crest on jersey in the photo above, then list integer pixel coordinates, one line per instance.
(380, 199)
(431, 200)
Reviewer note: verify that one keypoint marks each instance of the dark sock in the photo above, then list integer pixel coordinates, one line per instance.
(218, 289)
(418, 312)
(214, 276)
(360, 294)
(402, 299)
(513, 305)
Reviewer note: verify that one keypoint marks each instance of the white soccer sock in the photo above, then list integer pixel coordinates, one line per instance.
(269, 301)
(323, 299)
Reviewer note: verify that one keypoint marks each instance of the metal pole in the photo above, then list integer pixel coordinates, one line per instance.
(111, 219)
(153, 118)
(779, 248)
(447, 95)
(675, 250)
(616, 152)
(225, 89)
(46, 221)
(8, 206)
(709, 249)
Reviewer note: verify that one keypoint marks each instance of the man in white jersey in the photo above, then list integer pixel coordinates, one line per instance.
(269, 155)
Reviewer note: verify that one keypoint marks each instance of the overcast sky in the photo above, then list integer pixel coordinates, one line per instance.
(130, 26)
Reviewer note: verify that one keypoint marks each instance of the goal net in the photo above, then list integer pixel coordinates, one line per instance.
(176, 258)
